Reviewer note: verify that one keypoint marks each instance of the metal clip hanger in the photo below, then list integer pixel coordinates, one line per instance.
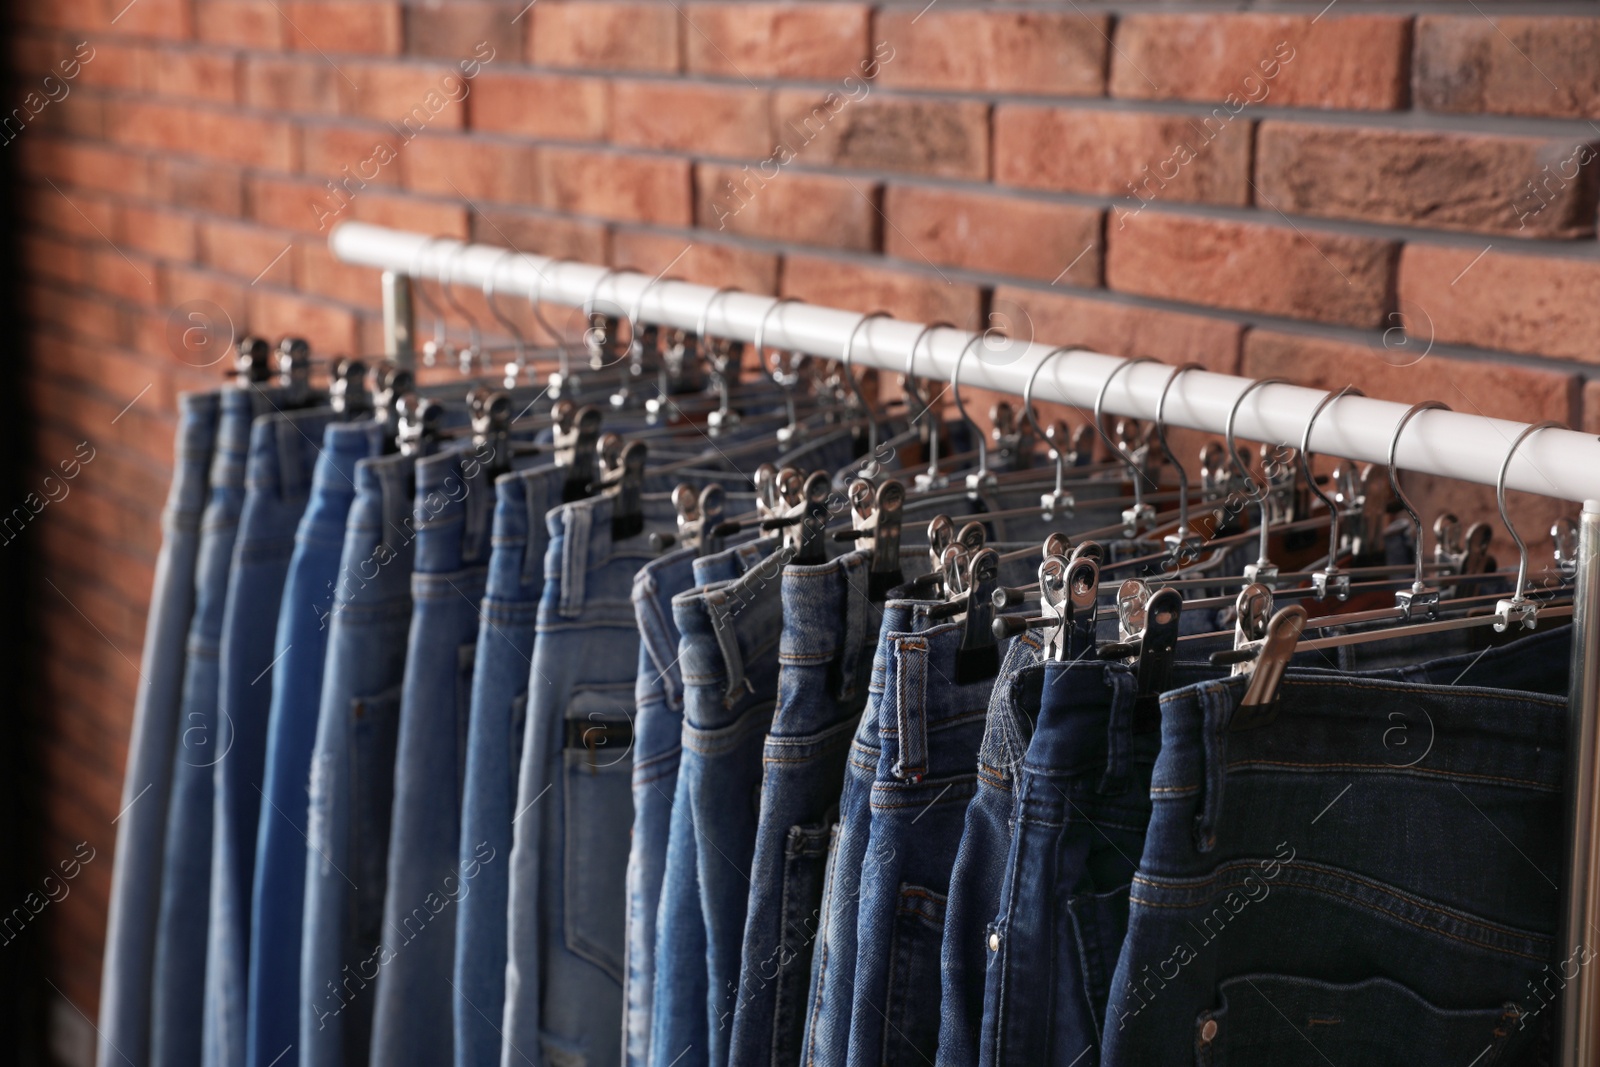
(1421, 598)
(1140, 513)
(490, 414)
(417, 430)
(875, 515)
(347, 394)
(1328, 579)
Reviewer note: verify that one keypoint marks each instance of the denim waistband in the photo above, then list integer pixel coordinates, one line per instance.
(283, 452)
(238, 407)
(829, 618)
(383, 498)
(518, 536)
(745, 616)
(1469, 736)
(1013, 707)
(581, 542)
(197, 439)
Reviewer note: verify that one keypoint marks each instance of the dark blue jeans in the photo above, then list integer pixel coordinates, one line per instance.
(830, 628)
(178, 986)
(729, 662)
(658, 749)
(283, 455)
(141, 827)
(1371, 878)
(302, 642)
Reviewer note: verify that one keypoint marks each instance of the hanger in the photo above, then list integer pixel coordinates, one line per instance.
(855, 383)
(1058, 501)
(642, 337)
(927, 432)
(1140, 512)
(785, 375)
(1266, 660)
(1420, 597)
(1181, 543)
(519, 364)
(1327, 579)
(466, 358)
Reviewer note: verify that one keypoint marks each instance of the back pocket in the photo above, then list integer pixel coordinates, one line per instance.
(1300, 1022)
(912, 1034)
(597, 779)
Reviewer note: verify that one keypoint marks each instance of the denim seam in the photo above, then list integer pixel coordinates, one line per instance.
(723, 738)
(1416, 771)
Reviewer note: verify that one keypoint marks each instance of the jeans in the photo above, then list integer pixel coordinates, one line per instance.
(427, 874)
(352, 769)
(931, 729)
(729, 660)
(1345, 821)
(1081, 808)
(283, 451)
(833, 964)
(825, 657)
(178, 986)
(981, 857)
(125, 983)
(278, 897)
(568, 906)
(658, 749)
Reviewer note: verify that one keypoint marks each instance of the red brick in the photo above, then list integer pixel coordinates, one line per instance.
(454, 31)
(996, 234)
(559, 107)
(66, 15)
(181, 284)
(1120, 329)
(789, 40)
(291, 205)
(81, 214)
(1517, 303)
(202, 186)
(112, 65)
(62, 261)
(168, 19)
(601, 35)
(214, 134)
(698, 260)
(329, 328)
(1508, 65)
(1591, 407)
(88, 318)
(79, 115)
(625, 188)
(241, 23)
(158, 232)
(1134, 157)
(463, 168)
(409, 96)
(130, 276)
(808, 209)
(343, 27)
(249, 252)
(847, 284)
(359, 155)
(290, 83)
(1274, 270)
(949, 139)
(192, 75)
(409, 213)
(703, 119)
(543, 234)
(1355, 62)
(1453, 181)
(88, 166)
(1032, 52)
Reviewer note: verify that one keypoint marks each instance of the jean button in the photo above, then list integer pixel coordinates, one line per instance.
(1208, 1031)
(994, 942)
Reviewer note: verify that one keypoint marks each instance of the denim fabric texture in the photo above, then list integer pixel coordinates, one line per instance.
(658, 746)
(568, 910)
(126, 977)
(981, 857)
(283, 456)
(343, 945)
(728, 656)
(829, 629)
(178, 985)
(1410, 834)
(278, 895)
(833, 965)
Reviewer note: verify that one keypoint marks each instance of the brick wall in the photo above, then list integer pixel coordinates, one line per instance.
(1372, 194)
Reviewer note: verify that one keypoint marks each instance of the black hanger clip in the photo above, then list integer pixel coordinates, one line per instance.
(1158, 647)
(1271, 656)
(347, 393)
(978, 658)
(294, 370)
(626, 483)
(490, 412)
(580, 446)
(417, 428)
(391, 382)
(253, 363)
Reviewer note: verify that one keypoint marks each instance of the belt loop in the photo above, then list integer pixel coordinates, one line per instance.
(1216, 706)
(717, 607)
(479, 514)
(857, 608)
(291, 478)
(579, 519)
(534, 507)
(1119, 731)
(399, 526)
(911, 707)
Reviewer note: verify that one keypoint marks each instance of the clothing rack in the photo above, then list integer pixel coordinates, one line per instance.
(1463, 446)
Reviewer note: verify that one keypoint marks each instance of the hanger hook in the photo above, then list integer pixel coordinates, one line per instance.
(534, 296)
(424, 251)
(1505, 517)
(447, 286)
(500, 316)
(1394, 481)
(705, 312)
(961, 408)
(1172, 458)
(636, 338)
(761, 327)
(786, 381)
(1238, 461)
(855, 385)
(597, 348)
(1311, 478)
(1033, 419)
(1099, 403)
(912, 390)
